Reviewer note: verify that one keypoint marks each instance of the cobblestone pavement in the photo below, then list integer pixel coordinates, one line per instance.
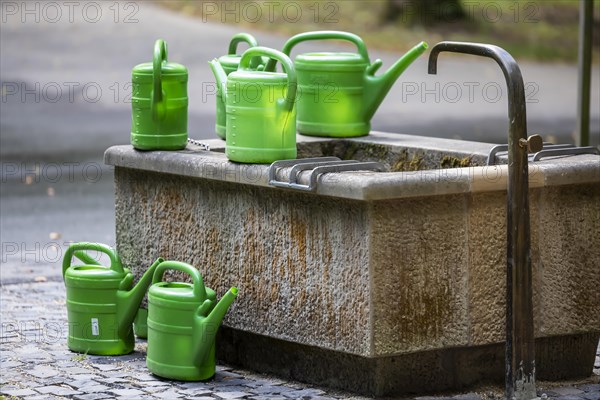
(36, 364)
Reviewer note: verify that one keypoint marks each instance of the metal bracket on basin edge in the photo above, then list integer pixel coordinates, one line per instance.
(549, 150)
(319, 166)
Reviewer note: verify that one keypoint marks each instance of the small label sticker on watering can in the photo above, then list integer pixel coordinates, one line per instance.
(95, 329)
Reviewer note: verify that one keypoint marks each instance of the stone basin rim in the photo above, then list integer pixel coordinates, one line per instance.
(366, 186)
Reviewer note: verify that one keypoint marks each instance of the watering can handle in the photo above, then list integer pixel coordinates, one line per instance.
(286, 63)
(75, 248)
(323, 35)
(160, 56)
(199, 289)
(241, 38)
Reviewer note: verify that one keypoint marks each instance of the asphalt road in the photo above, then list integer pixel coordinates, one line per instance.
(65, 72)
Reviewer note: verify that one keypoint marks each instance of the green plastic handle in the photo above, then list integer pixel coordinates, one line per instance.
(241, 38)
(286, 63)
(160, 56)
(115, 262)
(199, 289)
(323, 35)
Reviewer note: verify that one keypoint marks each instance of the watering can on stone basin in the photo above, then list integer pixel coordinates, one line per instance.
(101, 302)
(260, 108)
(230, 63)
(183, 319)
(339, 92)
(159, 103)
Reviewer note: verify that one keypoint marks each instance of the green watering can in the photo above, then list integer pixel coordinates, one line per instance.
(101, 302)
(230, 63)
(159, 103)
(140, 323)
(339, 92)
(183, 320)
(260, 107)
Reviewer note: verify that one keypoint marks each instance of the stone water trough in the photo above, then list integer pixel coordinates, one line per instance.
(375, 282)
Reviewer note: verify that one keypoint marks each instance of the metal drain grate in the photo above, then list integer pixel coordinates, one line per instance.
(319, 166)
(549, 150)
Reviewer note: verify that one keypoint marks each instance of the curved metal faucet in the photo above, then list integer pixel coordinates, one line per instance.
(520, 345)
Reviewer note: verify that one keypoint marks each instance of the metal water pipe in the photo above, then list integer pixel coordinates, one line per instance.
(520, 342)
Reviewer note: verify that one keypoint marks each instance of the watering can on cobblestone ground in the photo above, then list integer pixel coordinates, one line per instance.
(159, 103)
(101, 301)
(260, 108)
(230, 63)
(183, 319)
(339, 92)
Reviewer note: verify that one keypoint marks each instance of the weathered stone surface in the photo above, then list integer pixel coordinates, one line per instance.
(418, 265)
(569, 231)
(298, 262)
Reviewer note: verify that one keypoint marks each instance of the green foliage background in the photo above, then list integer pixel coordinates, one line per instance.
(543, 30)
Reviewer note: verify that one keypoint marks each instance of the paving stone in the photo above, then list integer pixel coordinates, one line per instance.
(61, 354)
(591, 395)
(76, 370)
(298, 394)
(569, 397)
(43, 372)
(563, 391)
(10, 364)
(197, 392)
(86, 377)
(231, 395)
(594, 387)
(93, 396)
(267, 397)
(107, 367)
(254, 383)
(156, 384)
(146, 377)
(226, 388)
(126, 392)
(168, 394)
(18, 392)
(57, 390)
(112, 380)
(268, 389)
(197, 385)
(234, 382)
(38, 397)
(9, 387)
(94, 388)
(79, 383)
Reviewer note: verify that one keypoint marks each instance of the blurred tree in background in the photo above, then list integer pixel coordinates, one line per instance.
(543, 30)
(413, 11)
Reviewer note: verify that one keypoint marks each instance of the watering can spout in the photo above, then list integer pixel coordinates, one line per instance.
(128, 301)
(205, 329)
(377, 87)
(220, 76)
